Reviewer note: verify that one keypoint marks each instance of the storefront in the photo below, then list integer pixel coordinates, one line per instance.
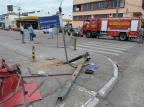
(28, 20)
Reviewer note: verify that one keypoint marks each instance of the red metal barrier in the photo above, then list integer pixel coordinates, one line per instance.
(11, 88)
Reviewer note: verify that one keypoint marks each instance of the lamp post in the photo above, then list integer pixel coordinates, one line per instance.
(19, 14)
(62, 27)
(19, 9)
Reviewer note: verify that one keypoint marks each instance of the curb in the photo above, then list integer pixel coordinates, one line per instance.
(92, 102)
(104, 91)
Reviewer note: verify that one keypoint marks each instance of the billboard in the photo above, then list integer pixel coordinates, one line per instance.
(10, 8)
(49, 22)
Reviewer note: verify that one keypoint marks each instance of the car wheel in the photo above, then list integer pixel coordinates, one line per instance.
(88, 34)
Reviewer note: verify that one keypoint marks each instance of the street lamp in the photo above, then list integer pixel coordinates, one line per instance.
(19, 9)
(62, 27)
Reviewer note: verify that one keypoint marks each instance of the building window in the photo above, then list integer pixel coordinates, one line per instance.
(77, 18)
(87, 17)
(77, 8)
(107, 4)
(87, 7)
(80, 18)
(114, 3)
(102, 16)
(122, 3)
(119, 15)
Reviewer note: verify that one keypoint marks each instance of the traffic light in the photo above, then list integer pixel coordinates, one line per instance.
(32, 12)
(38, 11)
(10, 8)
(25, 14)
(60, 9)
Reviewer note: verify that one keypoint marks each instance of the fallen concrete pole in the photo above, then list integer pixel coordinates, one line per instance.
(52, 75)
(66, 89)
(77, 58)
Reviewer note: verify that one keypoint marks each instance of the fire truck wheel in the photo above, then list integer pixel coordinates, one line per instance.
(123, 36)
(88, 34)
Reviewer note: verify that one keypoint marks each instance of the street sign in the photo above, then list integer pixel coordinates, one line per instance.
(10, 8)
(49, 22)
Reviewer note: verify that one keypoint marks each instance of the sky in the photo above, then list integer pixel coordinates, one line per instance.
(44, 6)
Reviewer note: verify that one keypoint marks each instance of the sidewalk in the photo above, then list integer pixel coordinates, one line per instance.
(85, 87)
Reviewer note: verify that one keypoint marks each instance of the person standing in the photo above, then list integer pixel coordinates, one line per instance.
(31, 32)
(22, 33)
(50, 34)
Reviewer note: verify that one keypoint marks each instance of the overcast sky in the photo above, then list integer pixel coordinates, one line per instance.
(44, 6)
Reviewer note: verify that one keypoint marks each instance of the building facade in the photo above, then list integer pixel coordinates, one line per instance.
(86, 9)
(2, 18)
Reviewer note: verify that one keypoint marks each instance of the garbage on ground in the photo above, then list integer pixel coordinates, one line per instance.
(91, 68)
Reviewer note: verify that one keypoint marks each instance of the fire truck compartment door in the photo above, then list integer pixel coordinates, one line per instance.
(104, 25)
(134, 25)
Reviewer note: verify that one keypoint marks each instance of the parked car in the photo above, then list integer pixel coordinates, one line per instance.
(77, 32)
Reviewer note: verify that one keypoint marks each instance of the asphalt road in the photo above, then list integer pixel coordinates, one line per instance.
(129, 55)
(12, 57)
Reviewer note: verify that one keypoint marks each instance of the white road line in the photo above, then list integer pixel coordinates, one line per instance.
(97, 51)
(107, 47)
(110, 45)
(119, 43)
(98, 48)
(125, 46)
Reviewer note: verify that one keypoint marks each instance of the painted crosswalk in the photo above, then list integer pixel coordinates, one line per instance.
(106, 48)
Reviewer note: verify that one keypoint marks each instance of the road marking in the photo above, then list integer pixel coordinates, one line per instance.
(98, 48)
(107, 47)
(114, 44)
(123, 46)
(97, 51)
(115, 48)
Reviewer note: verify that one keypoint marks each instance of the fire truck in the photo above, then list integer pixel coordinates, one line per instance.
(123, 28)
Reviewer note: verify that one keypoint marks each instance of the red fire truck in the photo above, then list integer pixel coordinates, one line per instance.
(123, 28)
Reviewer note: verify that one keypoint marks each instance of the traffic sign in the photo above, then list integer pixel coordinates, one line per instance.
(49, 22)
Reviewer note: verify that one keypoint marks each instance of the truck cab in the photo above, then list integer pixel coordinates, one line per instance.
(89, 28)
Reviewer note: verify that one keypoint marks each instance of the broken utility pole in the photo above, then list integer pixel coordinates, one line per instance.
(65, 90)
